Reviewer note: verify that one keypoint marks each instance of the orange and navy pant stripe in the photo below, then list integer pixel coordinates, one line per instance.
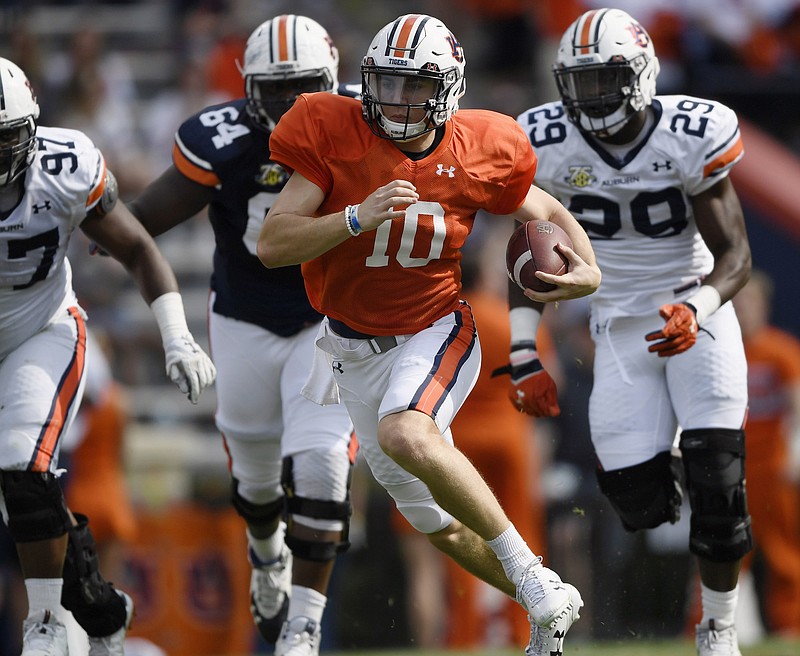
(65, 398)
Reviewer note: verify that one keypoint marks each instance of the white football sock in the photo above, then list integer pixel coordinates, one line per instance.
(307, 602)
(719, 606)
(512, 551)
(268, 549)
(43, 594)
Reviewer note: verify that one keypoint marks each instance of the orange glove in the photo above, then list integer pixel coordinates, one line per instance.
(532, 390)
(679, 333)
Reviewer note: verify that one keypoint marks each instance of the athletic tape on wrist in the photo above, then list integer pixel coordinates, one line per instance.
(524, 324)
(170, 316)
(705, 301)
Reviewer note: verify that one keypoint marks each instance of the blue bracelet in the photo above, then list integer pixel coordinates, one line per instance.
(354, 219)
(351, 220)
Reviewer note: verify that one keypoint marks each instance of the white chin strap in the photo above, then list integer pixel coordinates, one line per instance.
(608, 125)
(401, 131)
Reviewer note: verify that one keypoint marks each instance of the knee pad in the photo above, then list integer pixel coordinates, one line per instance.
(35, 506)
(97, 607)
(713, 460)
(256, 514)
(644, 495)
(416, 504)
(425, 517)
(314, 509)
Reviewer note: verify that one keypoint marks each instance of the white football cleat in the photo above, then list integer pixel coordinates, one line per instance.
(542, 593)
(550, 642)
(300, 636)
(712, 641)
(270, 587)
(114, 644)
(45, 637)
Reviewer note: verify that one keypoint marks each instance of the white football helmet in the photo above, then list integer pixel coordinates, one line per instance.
(411, 77)
(284, 57)
(605, 70)
(18, 113)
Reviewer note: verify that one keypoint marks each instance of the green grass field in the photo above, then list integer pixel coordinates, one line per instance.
(631, 647)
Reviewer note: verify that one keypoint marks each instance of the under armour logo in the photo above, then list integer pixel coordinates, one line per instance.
(337, 366)
(39, 208)
(666, 165)
(450, 170)
(559, 636)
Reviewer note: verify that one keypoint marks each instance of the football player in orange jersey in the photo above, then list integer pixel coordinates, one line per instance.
(382, 195)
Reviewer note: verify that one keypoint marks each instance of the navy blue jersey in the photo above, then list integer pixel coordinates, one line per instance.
(221, 148)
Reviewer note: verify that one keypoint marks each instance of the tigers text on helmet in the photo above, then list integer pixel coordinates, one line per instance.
(284, 57)
(605, 70)
(18, 113)
(411, 77)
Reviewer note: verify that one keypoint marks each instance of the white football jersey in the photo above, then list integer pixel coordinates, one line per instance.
(635, 203)
(66, 180)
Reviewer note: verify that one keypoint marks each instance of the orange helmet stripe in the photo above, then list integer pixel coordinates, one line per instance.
(283, 38)
(405, 33)
(584, 42)
(586, 35)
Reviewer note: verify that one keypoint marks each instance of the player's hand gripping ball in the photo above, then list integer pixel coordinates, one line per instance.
(532, 248)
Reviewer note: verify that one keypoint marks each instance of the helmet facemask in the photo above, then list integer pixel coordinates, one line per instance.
(407, 104)
(268, 98)
(17, 148)
(601, 98)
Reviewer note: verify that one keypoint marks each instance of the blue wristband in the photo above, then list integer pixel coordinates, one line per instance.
(354, 219)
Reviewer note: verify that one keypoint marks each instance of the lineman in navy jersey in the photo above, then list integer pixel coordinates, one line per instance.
(290, 459)
(647, 178)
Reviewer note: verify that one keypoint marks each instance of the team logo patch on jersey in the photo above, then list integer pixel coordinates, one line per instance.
(580, 176)
(271, 175)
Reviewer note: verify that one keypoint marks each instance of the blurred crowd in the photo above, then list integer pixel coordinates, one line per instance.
(127, 72)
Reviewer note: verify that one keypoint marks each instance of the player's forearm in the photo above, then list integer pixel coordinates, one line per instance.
(731, 271)
(287, 239)
(151, 272)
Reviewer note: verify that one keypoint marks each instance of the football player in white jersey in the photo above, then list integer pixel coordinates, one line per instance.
(289, 458)
(53, 181)
(647, 177)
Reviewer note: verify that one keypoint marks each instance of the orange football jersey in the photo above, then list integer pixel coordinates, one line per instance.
(405, 275)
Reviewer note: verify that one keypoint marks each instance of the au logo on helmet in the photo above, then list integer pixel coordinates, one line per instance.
(455, 46)
(640, 37)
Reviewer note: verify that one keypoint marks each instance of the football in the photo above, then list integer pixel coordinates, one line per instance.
(531, 248)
